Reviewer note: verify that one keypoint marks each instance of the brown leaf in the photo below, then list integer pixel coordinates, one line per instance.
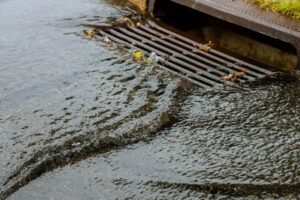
(234, 75)
(205, 47)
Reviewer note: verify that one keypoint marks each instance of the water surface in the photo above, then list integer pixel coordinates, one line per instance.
(76, 122)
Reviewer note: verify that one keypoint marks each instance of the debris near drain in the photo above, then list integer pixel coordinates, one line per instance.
(153, 58)
(128, 21)
(138, 56)
(89, 33)
(142, 58)
(205, 47)
(115, 23)
(234, 75)
(106, 40)
(124, 21)
(151, 45)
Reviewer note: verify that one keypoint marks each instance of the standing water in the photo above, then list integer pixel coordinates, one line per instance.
(76, 122)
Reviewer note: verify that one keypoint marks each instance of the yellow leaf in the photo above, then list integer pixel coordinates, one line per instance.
(138, 56)
(90, 33)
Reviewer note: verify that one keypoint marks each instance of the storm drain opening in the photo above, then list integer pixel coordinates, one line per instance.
(245, 44)
(199, 63)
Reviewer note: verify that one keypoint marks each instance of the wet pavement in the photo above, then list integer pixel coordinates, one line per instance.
(76, 122)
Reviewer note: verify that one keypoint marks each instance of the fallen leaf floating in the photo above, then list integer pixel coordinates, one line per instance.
(234, 75)
(138, 56)
(205, 47)
(142, 58)
(89, 33)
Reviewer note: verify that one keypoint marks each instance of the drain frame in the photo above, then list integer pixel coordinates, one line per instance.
(249, 16)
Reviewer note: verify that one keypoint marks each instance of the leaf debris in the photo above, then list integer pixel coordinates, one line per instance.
(89, 33)
(234, 75)
(205, 47)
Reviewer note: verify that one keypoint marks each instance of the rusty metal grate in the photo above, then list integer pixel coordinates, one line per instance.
(182, 55)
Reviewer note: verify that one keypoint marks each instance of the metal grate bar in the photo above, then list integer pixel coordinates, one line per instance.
(206, 57)
(191, 54)
(227, 57)
(181, 56)
(178, 71)
(189, 70)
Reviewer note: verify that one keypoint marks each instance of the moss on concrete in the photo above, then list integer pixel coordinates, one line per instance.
(287, 7)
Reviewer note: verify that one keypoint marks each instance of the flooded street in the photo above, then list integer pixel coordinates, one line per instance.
(76, 122)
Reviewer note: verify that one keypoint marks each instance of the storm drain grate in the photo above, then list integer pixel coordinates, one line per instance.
(183, 56)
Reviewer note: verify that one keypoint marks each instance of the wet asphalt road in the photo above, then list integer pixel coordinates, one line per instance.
(78, 123)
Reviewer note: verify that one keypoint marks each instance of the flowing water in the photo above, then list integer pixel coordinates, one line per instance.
(76, 122)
